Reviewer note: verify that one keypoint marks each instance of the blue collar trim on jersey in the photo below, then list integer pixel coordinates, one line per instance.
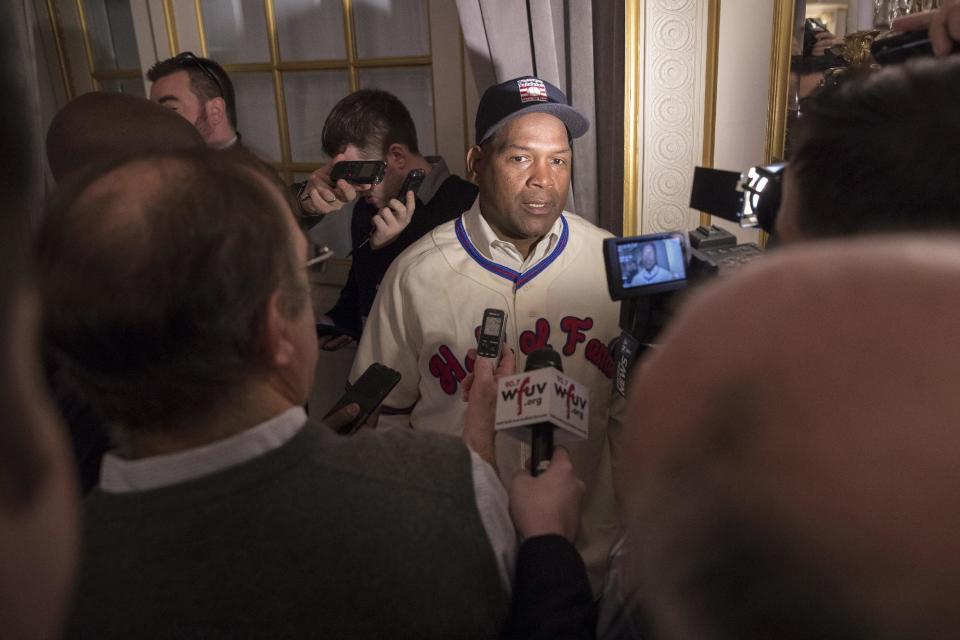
(393, 411)
(518, 279)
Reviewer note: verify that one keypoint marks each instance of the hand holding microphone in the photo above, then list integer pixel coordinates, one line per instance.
(549, 503)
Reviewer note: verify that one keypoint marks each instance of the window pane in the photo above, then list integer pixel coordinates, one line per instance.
(310, 29)
(257, 113)
(414, 87)
(310, 95)
(133, 86)
(110, 27)
(390, 28)
(236, 30)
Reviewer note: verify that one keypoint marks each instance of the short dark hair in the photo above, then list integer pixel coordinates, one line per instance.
(369, 119)
(877, 153)
(201, 83)
(154, 302)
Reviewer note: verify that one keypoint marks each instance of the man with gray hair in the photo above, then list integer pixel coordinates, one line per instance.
(179, 309)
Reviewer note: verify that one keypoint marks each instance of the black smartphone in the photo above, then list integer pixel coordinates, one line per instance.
(368, 391)
(411, 183)
(359, 171)
(334, 330)
(491, 333)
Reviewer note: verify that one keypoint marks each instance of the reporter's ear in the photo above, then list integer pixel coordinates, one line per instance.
(396, 156)
(216, 109)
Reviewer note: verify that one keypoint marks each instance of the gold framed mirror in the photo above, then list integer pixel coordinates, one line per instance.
(788, 17)
(705, 31)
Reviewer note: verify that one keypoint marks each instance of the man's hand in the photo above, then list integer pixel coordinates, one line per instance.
(943, 25)
(480, 394)
(548, 503)
(333, 343)
(391, 220)
(346, 415)
(321, 196)
(825, 40)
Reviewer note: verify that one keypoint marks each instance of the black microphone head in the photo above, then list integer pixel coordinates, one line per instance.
(544, 358)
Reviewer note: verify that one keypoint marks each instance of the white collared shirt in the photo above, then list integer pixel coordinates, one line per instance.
(434, 179)
(120, 475)
(229, 143)
(506, 253)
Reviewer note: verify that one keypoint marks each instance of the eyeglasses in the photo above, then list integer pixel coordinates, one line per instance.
(188, 57)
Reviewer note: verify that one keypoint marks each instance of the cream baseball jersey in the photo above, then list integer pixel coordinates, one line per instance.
(426, 317)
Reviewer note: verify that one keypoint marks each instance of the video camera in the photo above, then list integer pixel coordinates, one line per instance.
(649, 273)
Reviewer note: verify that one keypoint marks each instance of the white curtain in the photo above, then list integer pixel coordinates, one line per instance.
(554, 40)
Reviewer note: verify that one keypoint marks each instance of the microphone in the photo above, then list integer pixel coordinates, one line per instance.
(541, 438)
(545, 400)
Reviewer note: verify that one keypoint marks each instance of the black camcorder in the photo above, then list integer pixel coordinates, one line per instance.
(646, 273)
(644, 265)
(751, 198)
(650, 273)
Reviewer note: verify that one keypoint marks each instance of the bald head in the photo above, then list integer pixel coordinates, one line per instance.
(157, 273)
(804, 477)
(98, 128)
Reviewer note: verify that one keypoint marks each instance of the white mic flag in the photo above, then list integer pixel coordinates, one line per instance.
(543, 396)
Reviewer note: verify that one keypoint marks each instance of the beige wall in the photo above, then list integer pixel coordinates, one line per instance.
(673, 61)
(743, 87)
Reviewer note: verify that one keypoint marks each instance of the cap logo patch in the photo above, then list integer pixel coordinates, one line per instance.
(532, 90)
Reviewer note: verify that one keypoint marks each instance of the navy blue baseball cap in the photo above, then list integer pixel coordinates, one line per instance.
(503, 102)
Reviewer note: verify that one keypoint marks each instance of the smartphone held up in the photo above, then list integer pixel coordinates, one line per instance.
(368, 392)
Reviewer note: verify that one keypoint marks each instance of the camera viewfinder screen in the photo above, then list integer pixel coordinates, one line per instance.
(649, 262)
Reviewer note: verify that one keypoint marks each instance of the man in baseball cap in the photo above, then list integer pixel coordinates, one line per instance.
(516, 250)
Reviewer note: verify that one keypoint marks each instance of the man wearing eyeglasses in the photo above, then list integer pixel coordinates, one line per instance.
(201, 91)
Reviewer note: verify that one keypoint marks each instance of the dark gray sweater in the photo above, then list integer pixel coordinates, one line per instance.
(373, 536)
